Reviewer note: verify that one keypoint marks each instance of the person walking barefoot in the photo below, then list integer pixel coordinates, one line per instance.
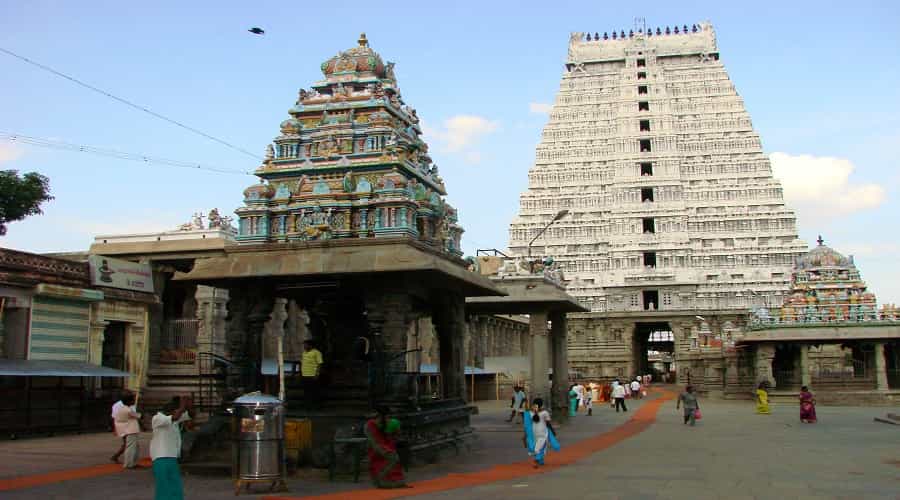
(689, 400)
(762, 399)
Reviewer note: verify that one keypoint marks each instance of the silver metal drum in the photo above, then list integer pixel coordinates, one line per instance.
(258, 428)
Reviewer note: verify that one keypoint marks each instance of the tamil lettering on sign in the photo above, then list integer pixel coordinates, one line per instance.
(123, 274)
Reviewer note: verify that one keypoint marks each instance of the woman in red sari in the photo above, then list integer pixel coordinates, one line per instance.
(384, 461)
(807, 406)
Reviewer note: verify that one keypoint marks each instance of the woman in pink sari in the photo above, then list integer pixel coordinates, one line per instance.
(807, 406)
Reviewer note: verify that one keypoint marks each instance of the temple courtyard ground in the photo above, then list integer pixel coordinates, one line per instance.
(646, 453)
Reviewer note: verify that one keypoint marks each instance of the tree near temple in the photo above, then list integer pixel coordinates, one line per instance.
(21, 196)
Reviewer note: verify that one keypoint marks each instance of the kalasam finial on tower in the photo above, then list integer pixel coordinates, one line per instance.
(363, 42)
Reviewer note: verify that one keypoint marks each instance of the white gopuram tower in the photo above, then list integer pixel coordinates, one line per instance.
(675, 226)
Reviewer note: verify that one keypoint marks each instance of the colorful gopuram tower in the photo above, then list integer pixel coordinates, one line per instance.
(673, 212)
(349, 163)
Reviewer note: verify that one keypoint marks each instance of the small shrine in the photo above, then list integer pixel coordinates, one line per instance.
(347, 242)
(828, 334)
(826, 286)
(350, 163)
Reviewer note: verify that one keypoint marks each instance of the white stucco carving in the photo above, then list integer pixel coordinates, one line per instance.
(690, 166)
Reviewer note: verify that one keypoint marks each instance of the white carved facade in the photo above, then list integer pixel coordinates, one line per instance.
(672, 204)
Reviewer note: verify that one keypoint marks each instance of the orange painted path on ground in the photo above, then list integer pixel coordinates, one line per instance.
(18, 483)
(639, 422)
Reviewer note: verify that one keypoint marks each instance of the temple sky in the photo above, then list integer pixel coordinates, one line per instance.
(484, 85)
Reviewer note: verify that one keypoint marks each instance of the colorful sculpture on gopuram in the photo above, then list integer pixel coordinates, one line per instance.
(827, 287)
(350, 163)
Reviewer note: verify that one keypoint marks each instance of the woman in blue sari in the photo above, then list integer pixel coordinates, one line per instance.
(539, 432)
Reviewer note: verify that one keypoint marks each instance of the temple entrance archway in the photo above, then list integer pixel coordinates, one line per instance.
(654, 349)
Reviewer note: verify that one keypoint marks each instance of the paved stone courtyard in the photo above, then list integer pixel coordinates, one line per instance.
(732, 453)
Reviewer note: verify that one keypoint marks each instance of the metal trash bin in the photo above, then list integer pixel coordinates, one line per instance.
(258, 426)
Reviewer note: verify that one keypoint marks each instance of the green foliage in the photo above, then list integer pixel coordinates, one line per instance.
(21, 196)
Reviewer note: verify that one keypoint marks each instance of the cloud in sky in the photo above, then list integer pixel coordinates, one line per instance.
(461, 134)
(9, 152)
(819, 187)
(539, 107)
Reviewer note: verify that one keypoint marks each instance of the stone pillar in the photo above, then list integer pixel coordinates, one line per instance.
(449, 322)
(211, 313)
(389, 315)
(540, 356)
(468, 342)
(881, 379)
(480, 335)
(157, 312)
(236, 324)
(295, 331)
(560, 348)
(261, 306)
(805, 377)
(274, 329)
(765, 353)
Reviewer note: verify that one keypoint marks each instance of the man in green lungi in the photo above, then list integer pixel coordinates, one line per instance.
(165, 448)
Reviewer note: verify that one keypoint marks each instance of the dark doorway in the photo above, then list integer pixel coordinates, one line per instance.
(114, 351)
(654, 350)
(892, 363)
(785, 366)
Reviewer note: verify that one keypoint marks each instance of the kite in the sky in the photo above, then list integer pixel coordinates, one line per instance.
(257, 31)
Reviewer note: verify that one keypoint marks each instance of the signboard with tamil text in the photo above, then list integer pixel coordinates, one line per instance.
(122, 274)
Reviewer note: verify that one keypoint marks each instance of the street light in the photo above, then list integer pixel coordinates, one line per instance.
(559, 215)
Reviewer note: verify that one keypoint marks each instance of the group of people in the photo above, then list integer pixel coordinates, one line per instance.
(806, 398)
(581, 396)
(165, 444)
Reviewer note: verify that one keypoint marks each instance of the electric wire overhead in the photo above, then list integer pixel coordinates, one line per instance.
(112, 153)
(128, 103)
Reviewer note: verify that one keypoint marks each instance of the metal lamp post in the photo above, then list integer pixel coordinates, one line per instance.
(559, 215)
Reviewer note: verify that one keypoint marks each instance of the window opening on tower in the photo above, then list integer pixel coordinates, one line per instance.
(651, 299)
(646, 194)
(645, 146)
(650, 259)
(645, 125)
(646, 169)
(641, 63)
(648, 225)
(642, 90)
(642, 75)
(643, 106)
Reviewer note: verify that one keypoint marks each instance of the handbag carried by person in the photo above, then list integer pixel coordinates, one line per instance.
(697, 414)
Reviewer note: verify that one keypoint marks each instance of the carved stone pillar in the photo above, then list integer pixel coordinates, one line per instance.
(211, 313)
(260, 311)
(238, 307)
(468, 342)
(295, 331)
(805, 377)
(540, 356)
(274, 329)
(449, 322)
(765, 353)
(480, 339)
(388, 314)
(559, 343)
(881, 379)
(157, 313)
